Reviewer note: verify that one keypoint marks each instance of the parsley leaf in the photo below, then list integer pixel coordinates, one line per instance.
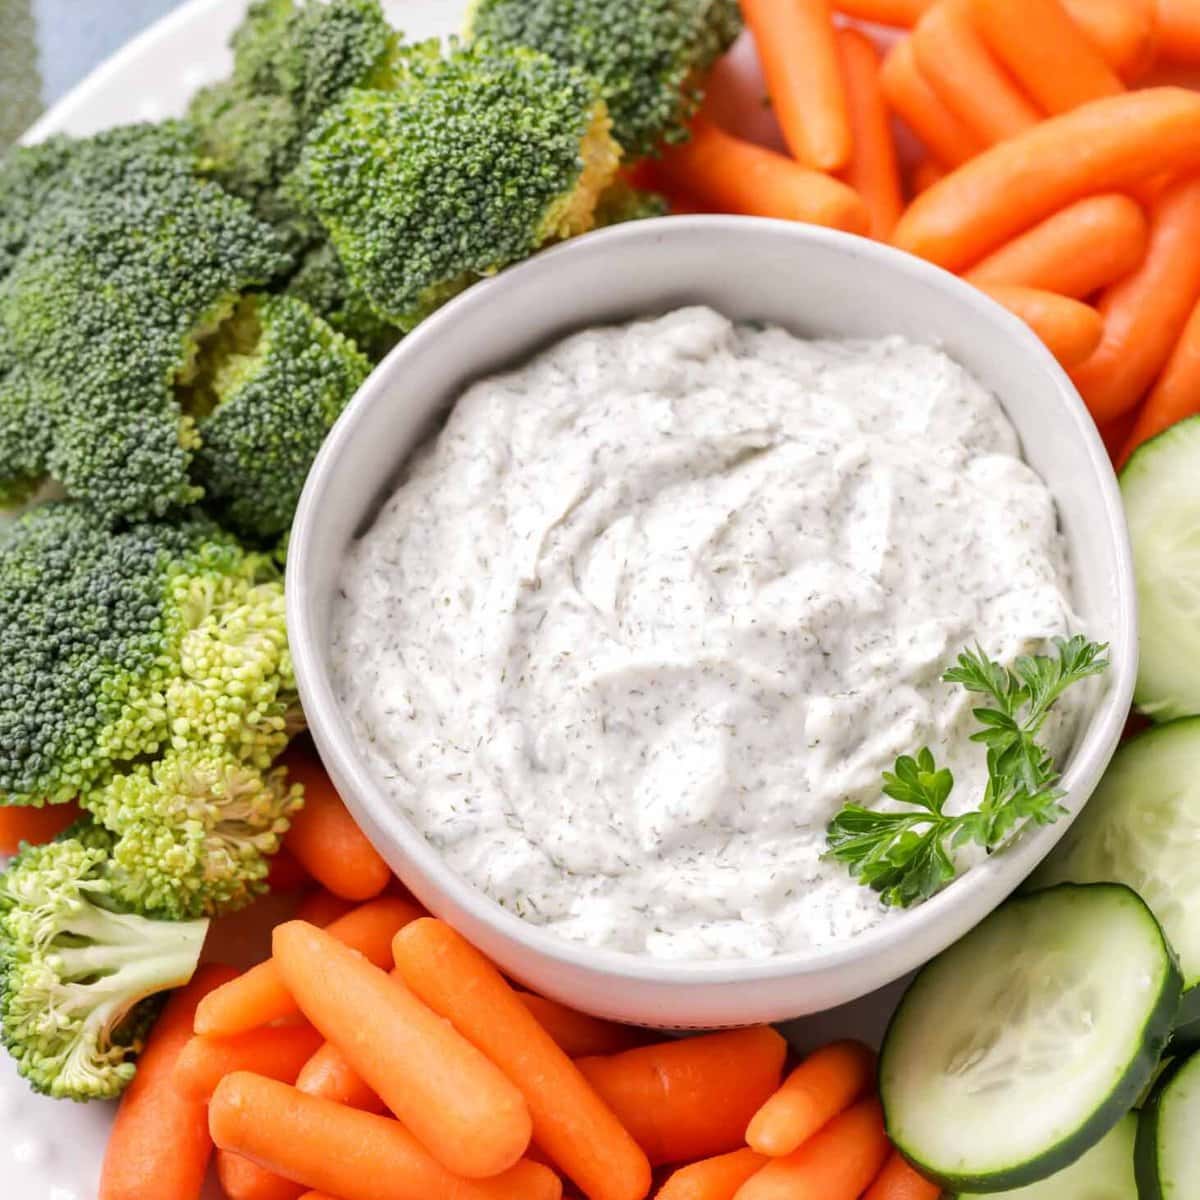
(906, 854)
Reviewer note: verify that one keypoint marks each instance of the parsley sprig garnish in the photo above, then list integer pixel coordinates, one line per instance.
(907, 855)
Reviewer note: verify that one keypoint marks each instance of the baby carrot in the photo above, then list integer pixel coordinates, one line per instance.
(1116, 434)
(1124, 31)
(242, 1179)
(159, 1145)
(899, 1181)
(731, 175)
(712, 1178)
(1176, 395)
(455, 1102)
(946, 136)
(1069, 329)
(21, 823)
(825, 1084)
(326, 1146)
(328, 1075)
(570, 1122)
(1077, 251)
(578, 1034)
(259, 996)
(1048, 53)
(325, 839)
(1099, 147)
(798, 51)
(322, 908)
(1179, 30)
(924, 175)
(690, 1098)
(837, 1163)
(1145, 313)
(277, 1051)
(904, 13)
(952, 56)
(527, 1180)
(872, 171)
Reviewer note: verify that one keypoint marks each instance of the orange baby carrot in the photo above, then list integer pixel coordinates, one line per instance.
(326, 1146)
(903, 13)
(1145, 313)
(1124, 31)
(1046, 51)
(798, 51)
(277, 1051)
(526, 1181)
(872, 171)
(322, 908)
(690, 1098)
(837, 1163)
(259, 996)
(924, 175)
(1077, 251)
(1070, 329)
(1179, 30)
(324, 837)
(328, 1075)
(825, 1084)
(159, 1144)
(242, 1179)
(578, 1034)
(1099, 147)
(570, 1122)
(899, 1181)
(946, 136)
(712, 1178)
(1176, 395)
(20, 823)
(953, 57)
(731, 175)
(456, 1103)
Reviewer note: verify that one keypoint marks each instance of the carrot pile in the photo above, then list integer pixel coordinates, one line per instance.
(1052, 176)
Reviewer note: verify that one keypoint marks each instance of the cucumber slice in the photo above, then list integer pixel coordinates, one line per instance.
(1168, 1138)
(1142, 828)
(1015, 1051)
(1161, 489)
(1105, 1172)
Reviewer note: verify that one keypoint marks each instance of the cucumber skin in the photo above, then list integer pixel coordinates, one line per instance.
(1145, 1147)
(1121, 1100)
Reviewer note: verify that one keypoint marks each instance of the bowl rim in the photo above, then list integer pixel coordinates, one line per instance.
(982, 887)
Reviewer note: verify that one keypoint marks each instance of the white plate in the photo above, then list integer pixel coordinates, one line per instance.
(52, 1150)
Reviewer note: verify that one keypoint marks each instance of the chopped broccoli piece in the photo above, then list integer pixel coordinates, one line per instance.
(27, 174)
(271, 385)
(646, 54)
(25, 434)
(623, 202)
(194, 830)
(471, 163)
(103, 309)
(79, 979)
(256, 47)
(117, 646)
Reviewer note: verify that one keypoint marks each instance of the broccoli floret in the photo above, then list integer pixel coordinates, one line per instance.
(118, 646)
(270, 387)
(78, 978)
(25, 434)
(623, 202)
(471, 163)
(27, 174)
(322, 283)
(104, 308)
(194, 831)
(647, 55)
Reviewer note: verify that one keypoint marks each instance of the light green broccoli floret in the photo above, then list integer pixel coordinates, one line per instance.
(194, 831)
(271, 385)
(622, 202)
(647, 55)
(116, 647)
(103, 311)
(79, 978)
(470, 163)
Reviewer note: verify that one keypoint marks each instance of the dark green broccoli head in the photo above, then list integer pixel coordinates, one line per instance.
(79, 980)
(103, 309)
(26, 433)
(118, 646)
(645, 54)
(274, 381)
(471, 163)
(27, 174)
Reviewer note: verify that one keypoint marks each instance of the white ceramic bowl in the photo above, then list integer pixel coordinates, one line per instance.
(815, 283)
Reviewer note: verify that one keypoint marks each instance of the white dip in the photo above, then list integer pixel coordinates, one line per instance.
(652, 607)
